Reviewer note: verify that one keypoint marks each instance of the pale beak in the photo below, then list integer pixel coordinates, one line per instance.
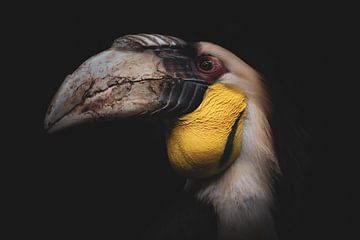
(119, 83)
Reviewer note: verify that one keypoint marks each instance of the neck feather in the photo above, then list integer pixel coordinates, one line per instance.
(242, 195)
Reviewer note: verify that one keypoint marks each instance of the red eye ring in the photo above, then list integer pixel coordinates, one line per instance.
(205, 64)
(209, 68)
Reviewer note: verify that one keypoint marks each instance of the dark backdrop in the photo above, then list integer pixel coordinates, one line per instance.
(114, 178)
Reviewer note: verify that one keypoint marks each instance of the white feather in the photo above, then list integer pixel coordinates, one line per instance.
(242, 195)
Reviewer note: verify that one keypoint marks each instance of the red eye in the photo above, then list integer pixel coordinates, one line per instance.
(210, 68)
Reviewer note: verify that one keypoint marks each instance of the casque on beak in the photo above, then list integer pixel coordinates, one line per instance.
(140, 75)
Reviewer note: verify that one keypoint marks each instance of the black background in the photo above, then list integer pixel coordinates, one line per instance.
(111, 179)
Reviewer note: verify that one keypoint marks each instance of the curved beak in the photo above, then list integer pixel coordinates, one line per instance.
(120, 83)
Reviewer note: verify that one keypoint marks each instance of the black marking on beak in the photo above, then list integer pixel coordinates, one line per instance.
(186, 92)
(181, 97)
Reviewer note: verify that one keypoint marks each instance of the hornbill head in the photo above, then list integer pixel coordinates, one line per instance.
(214, 101)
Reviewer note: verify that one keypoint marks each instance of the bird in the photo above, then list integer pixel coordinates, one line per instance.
(216, 109)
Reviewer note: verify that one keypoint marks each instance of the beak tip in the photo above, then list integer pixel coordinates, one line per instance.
(48, 125)
(49, 129)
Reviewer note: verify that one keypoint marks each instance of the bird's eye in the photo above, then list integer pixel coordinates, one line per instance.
(206, 64)
(209, 68)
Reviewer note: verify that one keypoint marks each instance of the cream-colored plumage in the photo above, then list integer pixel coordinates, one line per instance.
(242, 195)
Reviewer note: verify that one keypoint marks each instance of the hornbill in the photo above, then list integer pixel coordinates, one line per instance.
(216, 109)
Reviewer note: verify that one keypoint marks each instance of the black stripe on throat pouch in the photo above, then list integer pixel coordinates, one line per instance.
(230, 142)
